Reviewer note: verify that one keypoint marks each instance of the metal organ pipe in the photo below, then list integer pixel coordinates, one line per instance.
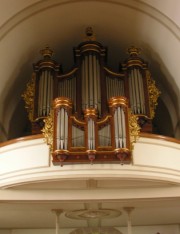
(120, 128)
(58, 130)
(65, 130)
(49, 89)
(137, 91)
(141, 89)
(91, 134)
(62, 129)
(123, 128)
(134, 92)
(137, 99)
(116, 129)
(98, 85)
(90, 82)
(115, 87)
(67, 88)
(86, 82)
(40, 97)
(48, 93)
(91, 95)
(45, 95)
(95, 83)
(83, 85)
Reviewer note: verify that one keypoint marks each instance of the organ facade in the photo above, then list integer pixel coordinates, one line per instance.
(91, 113)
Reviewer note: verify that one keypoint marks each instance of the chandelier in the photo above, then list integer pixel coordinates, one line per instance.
(91, 113)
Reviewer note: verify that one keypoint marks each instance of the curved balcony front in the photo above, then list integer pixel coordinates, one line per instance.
(156, 160)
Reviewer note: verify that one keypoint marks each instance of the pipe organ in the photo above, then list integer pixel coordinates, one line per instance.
(91, 113)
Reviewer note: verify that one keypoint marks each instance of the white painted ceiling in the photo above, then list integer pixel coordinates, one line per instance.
(26, 26)
(30, 205)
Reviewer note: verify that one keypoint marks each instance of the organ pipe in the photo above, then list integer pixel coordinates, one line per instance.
(91, 82)
(119, 108)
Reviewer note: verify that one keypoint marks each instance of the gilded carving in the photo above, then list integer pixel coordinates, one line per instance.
(134, 128)
(48, 130)
(28, 96)
(153, 94)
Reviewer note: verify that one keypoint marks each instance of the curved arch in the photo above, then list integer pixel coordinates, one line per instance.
(41, 6)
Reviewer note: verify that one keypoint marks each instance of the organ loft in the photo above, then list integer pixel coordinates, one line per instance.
(91, 113)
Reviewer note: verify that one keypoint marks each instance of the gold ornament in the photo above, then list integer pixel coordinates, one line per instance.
(134, 128)
(153, 94)
(28, 96)
(48, 130)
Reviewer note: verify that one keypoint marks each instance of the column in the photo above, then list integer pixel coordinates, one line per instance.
(128, 211)
(57, 213)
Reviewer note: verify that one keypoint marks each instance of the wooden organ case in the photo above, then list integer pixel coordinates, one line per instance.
(91, 113)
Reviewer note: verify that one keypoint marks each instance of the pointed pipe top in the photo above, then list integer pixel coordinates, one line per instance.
(90, 36)
(47, 52)
(133, 51)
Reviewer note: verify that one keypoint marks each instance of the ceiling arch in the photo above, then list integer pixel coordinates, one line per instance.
(61, 24)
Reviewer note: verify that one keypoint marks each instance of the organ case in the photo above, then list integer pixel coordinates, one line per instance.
(94, 109)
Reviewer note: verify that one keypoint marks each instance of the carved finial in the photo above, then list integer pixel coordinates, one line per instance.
(90, 34)
(47, 52)
(133, 51)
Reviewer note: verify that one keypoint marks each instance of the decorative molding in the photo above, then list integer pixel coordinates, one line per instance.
(48, 130)
(133, 128)
(153, 94)
(86, 214)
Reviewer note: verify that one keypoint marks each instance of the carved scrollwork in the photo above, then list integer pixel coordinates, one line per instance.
(134, 128)
(28, 96)
(153, 94)
(48, 130)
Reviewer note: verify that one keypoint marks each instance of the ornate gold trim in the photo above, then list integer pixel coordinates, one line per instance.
(48, 130)
(153, 94)
(62, 102)
(90, 112)
(118, 101)
(28, 96)
(134, 128)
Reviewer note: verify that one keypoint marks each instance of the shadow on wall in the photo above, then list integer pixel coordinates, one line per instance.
(167, 111)
(162, 123)
(19, 124)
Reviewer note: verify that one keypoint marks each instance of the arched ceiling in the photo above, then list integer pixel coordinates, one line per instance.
(27, 26)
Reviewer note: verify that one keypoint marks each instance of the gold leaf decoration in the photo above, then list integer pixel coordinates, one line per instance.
(48, 130)
(153, 94)
(134, 128)
(28, 96)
